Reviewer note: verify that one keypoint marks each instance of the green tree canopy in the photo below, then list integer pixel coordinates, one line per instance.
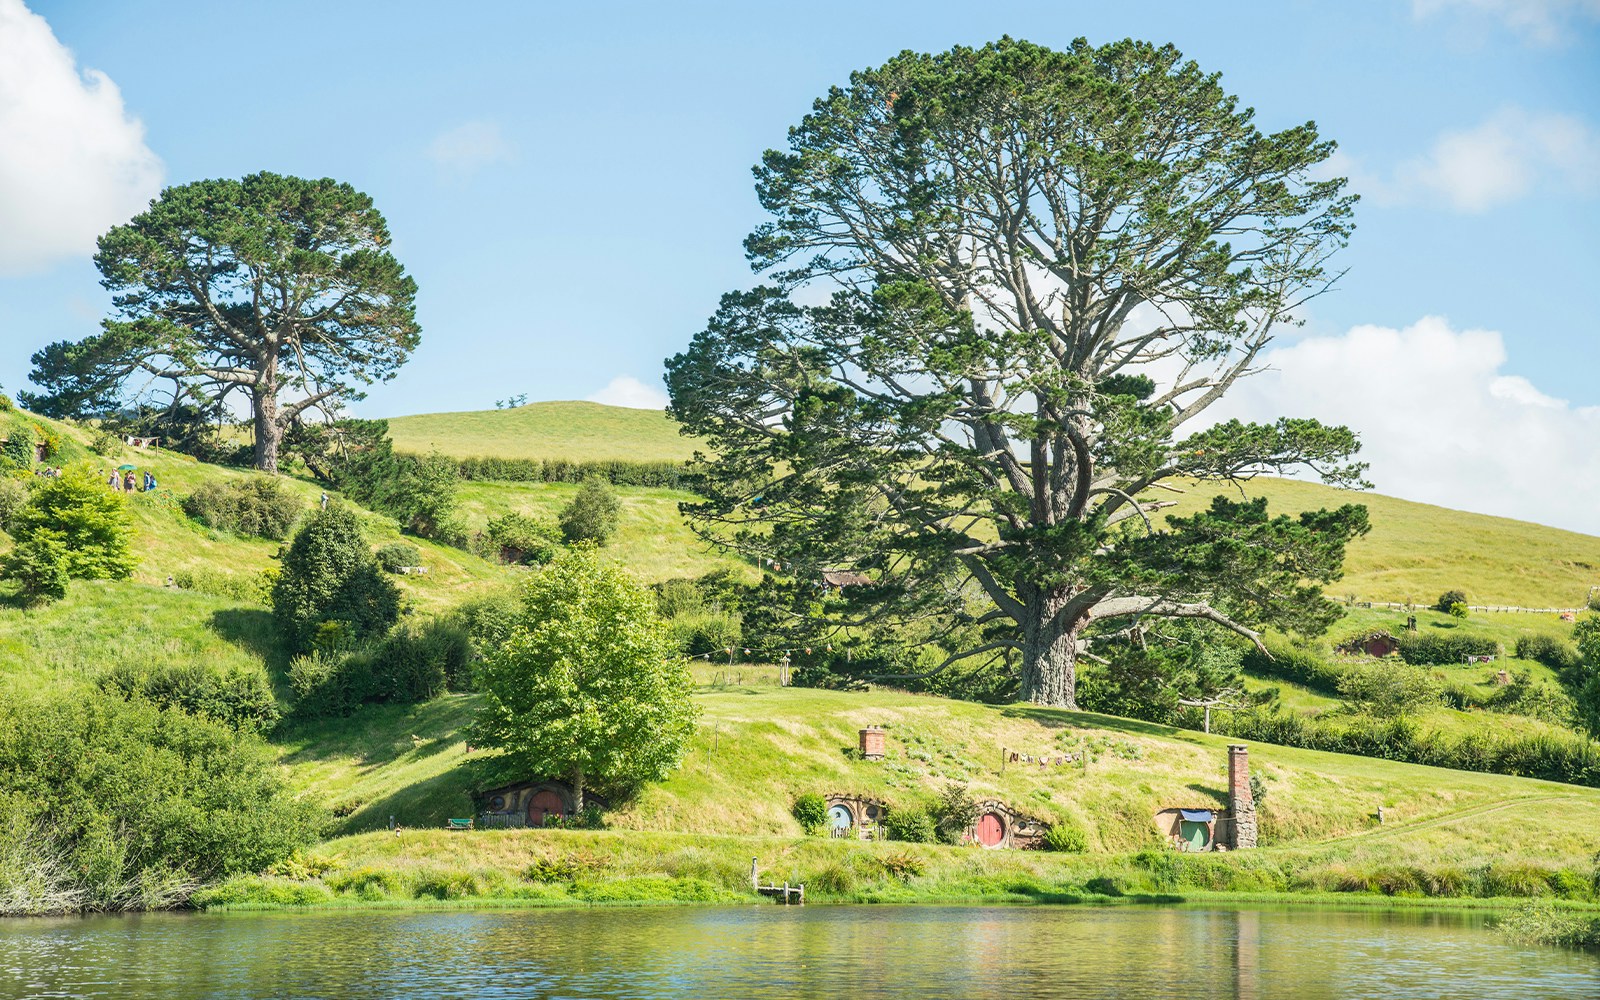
(329, 575)
(589, 686)
(278, 287)
(89, 519)
(1043, 267)
(593, 513)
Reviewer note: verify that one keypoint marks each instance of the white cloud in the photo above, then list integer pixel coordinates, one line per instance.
(1545, 22)
(470, 147)
(1511, 154)
(72, 163)
(625, 390)
(1439, 420)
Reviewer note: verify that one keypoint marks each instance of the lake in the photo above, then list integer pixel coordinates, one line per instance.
(922, 952)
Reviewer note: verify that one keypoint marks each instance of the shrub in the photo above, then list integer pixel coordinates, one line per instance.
(242, 699)
(1548, 650)
(592, 515)
(1442, 648)
(489, 620)
(705, 632)
(39, 567)
(397, 556)
(1067, 838)
(105, 444)
(1448, 600)
(329, 575)
(91, 521)
(954, 814)
(1298, 664)
(914, 826)
(330, 683)
(367, 883)
(260, 506)
(17, 449)
(6, 405)
(417, 662)
(135, 794)
(811, 810)
(1386, 689)
(13, 495)
(903, 865)
(517, 538)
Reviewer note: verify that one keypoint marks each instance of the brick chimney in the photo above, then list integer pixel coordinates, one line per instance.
(1240, 802)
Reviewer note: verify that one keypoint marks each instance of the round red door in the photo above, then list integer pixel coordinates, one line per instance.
(991, 830)
(545, 803)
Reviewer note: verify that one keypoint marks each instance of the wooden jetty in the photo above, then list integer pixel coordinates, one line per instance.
(784, 893)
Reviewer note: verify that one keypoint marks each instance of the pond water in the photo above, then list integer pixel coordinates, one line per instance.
(924, 952)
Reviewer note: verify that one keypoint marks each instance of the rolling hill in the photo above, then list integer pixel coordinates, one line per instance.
(573, 430)
(1414, 552)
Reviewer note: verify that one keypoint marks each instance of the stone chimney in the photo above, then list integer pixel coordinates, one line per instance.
(1240, 802)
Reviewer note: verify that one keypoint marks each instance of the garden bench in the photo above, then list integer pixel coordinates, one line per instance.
(459, 824)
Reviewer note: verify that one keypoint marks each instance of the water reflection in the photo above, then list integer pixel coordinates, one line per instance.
(771, 951)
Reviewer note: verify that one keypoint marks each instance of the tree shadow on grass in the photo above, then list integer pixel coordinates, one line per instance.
(254, 630)
(1060, 718)
(423, 805)
(379, 734)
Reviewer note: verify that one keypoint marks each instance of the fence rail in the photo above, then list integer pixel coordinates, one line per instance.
(1400, 606)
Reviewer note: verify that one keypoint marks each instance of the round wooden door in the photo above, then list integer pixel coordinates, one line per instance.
(991, 830)
(545, 803)
(840, 819)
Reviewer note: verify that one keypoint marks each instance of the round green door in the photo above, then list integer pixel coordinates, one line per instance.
(1195, 835)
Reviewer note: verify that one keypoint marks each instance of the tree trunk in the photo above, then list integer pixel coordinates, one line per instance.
(1049, 652)
(269, 434)
(577, 792)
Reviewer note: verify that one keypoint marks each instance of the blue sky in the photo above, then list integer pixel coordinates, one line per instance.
(570, 183)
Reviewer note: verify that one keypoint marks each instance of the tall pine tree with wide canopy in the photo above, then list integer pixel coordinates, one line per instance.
(281, 288)
(1007, 282)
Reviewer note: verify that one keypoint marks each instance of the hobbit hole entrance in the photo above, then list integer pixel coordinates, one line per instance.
(991, 830)
(545, 804)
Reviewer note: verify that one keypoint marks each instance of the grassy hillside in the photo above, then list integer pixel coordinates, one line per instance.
(575, 431)
(1445, 833)
(1417, 551)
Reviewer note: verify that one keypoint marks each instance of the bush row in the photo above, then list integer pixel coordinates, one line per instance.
(412, 664)
(1440, 648)
(242, 699)
(557, 470)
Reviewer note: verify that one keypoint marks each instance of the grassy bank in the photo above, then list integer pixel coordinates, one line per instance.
(556, 867)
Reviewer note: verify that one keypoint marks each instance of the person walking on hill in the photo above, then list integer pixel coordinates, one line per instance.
(115, 482)
(127, 482)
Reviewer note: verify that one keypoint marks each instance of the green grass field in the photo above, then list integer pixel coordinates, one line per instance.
(573, 430)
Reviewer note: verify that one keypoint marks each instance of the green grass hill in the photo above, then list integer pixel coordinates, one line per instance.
(758, 746)
(1414, 553)
(573, 430)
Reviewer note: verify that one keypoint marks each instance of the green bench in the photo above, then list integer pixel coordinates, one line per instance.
(459, 824)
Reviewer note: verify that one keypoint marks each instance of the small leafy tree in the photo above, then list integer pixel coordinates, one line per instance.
(592, 514)
(330, 576)
(518, 538)
(811, 810)
(588, 686)
(39, 566)
(91, 521)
